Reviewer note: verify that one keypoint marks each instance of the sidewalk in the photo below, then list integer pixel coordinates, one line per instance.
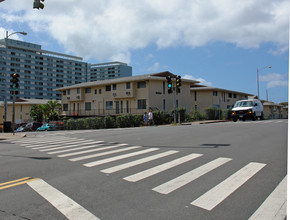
(10, 136)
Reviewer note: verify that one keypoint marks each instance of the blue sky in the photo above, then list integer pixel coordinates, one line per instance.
(218, 42)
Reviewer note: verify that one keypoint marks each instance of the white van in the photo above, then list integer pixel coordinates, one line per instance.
(247, 109)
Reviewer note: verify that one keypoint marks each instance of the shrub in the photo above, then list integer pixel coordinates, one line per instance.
(197, 116)
(213, 113)
(109, 122)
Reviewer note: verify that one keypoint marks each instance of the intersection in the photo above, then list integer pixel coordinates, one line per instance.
(213, 171)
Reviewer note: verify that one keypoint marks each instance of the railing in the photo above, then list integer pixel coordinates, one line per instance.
(103, 112)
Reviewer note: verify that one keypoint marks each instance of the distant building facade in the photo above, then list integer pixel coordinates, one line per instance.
(135, 95)
(110, 70)
(203, 97)
(42, 71)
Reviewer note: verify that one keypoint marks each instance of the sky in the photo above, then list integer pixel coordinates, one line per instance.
(221, 43)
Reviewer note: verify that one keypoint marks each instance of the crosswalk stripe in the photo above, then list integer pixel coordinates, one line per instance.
(63, 203)
(188, 177)
(138, 162)
(103, 154)
(155, 170)
(274, 207)
(216, 195)
(53, 143)
(92, 150)
(43, 140)
(98, 162)
(76, 144)
(77, 148)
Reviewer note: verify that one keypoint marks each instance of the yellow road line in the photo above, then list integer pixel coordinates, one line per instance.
(16, 182)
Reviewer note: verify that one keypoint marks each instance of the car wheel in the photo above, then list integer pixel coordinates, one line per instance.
(235, 119)
(254, 117)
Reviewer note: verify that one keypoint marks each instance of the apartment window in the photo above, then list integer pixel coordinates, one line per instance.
(65, 107)
(108, 88)
(64, 92)
(141, 85)
(78, 90)
(195, 96)
(128, 85)
(215, 93)
(230, 95)
(141, 104)
(87, 106)
(68, 91)
(109, 105)
(100, 91)
(114, 86)
(96, 91)
(164, 105)
(87, 90)
(163, 87)
(235, 96)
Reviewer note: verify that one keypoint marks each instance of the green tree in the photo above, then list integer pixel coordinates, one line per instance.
(36, 113)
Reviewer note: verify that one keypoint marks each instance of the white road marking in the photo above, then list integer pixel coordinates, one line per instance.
(77, 148)
(98, 162)
(137, 162)
(63, 203)
(68, 146)
(155, 170)
(103, 154)
(274, 207)
(216, 195)
(188, 177)
(55, 142)
(92, 150)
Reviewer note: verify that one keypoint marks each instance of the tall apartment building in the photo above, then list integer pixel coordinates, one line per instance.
(110, 70)
(42, 71)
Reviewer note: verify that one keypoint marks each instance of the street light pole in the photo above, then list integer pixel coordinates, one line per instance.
(258, 77)
(6, 70)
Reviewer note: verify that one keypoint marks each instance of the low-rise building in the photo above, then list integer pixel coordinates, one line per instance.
(135, 95)
(273, 111)
(22, 110)
(203, 97)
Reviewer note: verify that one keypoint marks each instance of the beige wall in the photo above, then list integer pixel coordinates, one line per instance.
(22, 113)
(202, 99)
(154, 93)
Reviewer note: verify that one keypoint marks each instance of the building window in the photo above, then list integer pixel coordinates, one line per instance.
(87, 106)
(141, 85)
(235, 95)
(100, 91)
(163, 87)
(230, 95)
(114, 86)
(65, 107)
(87, 90)
(164, 105)
(96, 91)
(78, 90)
(128, 85)
(109, 105)
(108, 88)
(141, 103)
(68, 91)
(195, 96)
(215, 93)
(64, 92)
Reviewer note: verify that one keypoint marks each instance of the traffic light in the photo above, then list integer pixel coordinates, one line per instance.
(169, 84)
(37, 4)
(178, 83)
(15, 83)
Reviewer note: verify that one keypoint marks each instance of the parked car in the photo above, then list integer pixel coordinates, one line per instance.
(32, 126)
(20, 129)
(248, 109)
(47, 127)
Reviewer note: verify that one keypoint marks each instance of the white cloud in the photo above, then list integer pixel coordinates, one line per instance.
(106, 29)
(275, 80)
(201, 80)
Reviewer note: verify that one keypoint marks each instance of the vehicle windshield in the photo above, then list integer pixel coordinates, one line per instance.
(244, 104)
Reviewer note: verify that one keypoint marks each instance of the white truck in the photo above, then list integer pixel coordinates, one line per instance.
(248, 109)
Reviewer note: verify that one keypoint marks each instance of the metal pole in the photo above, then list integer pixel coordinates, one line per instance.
(13, 112)
(6, 76)
(258, 82)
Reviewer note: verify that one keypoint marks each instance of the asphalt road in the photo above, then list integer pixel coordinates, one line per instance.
(202, 171)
